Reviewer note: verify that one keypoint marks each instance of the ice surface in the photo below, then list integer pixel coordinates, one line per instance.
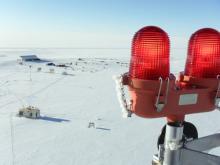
(68, 104)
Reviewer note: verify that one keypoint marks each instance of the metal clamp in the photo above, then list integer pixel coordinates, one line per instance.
(160, 104)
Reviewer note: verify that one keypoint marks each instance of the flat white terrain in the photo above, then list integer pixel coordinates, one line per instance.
(68, 104)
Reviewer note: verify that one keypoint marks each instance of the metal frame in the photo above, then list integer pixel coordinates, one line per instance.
(176, 152)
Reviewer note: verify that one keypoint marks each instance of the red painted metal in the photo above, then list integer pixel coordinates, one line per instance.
(144, 93)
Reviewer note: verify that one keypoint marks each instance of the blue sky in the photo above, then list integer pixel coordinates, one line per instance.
(100, 23)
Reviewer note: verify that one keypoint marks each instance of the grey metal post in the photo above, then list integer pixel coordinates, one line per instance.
(173, 144)
(30, 72)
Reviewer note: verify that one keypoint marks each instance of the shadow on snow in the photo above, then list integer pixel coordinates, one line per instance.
(53, 119)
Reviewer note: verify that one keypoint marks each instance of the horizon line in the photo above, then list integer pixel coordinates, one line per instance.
(63, 48)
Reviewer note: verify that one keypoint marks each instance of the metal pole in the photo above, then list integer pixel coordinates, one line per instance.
(173, 144)
(30, 72)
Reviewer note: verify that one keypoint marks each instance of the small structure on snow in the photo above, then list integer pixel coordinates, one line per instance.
(30, 58)
(39, 69)
(50, 64)
(64, 73)
(29, 112)
(51, 70)
(61, 65)
(91, 125)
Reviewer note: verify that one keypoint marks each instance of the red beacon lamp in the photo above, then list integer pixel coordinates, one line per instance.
(203, 60)
(150, 54)
(155, 92)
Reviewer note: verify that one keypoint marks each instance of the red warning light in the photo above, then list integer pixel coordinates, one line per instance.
(150, 54)
(203, 60)
(195, 91)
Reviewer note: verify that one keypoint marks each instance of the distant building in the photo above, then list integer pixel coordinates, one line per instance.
(30, 58)
(29, 112)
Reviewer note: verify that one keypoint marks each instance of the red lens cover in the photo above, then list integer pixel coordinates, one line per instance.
(150, 54)
(203, 58)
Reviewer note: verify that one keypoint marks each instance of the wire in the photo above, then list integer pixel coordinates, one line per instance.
(32, 94)
(18, 99)
(12, 140)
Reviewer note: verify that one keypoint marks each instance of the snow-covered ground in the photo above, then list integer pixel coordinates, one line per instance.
(68, 103)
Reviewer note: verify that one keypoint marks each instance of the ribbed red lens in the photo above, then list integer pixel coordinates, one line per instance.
(203, 58)
(150, 54)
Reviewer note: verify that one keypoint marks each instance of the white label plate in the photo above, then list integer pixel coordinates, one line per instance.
(188, 99)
